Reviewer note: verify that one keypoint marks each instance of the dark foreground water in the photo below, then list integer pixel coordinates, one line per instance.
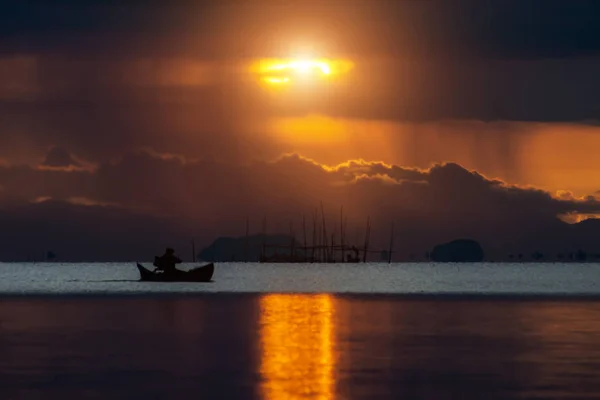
(191, 344)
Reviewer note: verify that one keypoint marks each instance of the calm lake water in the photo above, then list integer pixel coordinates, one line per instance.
(302, 331)
(418, 278)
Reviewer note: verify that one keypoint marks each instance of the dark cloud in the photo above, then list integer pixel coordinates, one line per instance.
(509, 28)
(58, 157)
(211, 198)
(528, 29)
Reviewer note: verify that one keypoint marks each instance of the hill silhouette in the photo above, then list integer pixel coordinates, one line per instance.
(460, 250)
(225, 249)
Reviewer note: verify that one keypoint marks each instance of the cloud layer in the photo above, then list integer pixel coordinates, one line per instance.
(208, 198)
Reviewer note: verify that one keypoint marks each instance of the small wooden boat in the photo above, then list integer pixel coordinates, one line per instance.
(198, 274)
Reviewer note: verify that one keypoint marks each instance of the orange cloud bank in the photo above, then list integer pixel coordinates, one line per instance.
(427, 205)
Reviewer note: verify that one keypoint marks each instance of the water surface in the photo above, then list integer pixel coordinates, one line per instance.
(301, 332)
(416, 278)
(287, 346)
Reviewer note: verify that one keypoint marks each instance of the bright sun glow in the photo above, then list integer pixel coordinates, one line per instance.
(288, 71)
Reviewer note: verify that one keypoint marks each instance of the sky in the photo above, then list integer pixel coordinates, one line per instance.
(128, 127)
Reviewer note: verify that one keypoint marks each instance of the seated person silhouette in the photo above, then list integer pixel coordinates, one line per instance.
(167, 261)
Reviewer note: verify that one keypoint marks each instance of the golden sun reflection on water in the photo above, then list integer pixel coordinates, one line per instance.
(297, 339)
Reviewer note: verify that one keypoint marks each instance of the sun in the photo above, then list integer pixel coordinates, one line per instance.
(285, 72)
(309, 66)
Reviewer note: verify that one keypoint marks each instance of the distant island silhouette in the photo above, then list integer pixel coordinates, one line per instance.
(460, 250)
(225, 249)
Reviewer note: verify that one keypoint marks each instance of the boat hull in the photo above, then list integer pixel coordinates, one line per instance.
(199, 274)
